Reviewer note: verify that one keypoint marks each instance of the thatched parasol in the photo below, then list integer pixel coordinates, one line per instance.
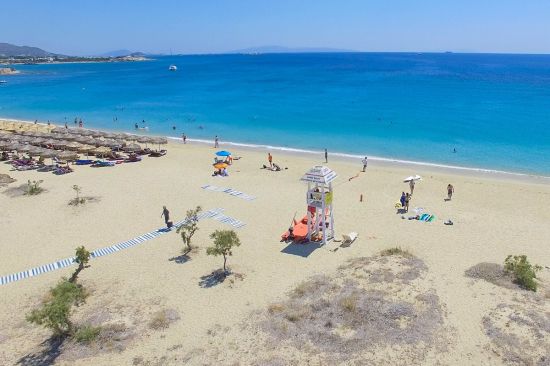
(67, 155)
(34, 151)
(102, 151)
(132, 147)
(24, 148)
(73, 146)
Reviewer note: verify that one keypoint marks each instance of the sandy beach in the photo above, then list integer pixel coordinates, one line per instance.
(223, 324)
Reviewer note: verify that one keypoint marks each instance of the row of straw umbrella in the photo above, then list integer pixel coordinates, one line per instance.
(72, 141)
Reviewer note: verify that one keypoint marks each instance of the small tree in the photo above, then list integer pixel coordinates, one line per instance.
(224, 241)
(33, 188)
(77, 200)
(82, 258)
(55, 312)
(524, 272)
(190, 226)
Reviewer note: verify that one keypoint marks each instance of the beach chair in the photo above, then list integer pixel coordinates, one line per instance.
(347, 239)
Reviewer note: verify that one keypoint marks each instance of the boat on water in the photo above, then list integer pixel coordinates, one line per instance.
(173, 68)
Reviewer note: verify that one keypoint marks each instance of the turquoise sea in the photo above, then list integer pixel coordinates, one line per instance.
(493, 109)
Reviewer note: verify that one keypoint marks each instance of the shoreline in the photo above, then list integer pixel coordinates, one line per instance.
(340, 156)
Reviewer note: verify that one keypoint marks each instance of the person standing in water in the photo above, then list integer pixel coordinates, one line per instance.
(216, 142)
(364, 161)
(450, 191)
(326, 156)
(184, 138)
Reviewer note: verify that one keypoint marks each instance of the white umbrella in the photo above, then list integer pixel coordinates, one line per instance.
(412, 178)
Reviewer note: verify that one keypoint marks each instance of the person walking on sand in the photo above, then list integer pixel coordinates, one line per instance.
(450, 191)
(407, 201)
(184, 138)
(326, 156)
(364, 161)
(270, 159)
(166, 215)
(403, 199)
(411, 186)
(216, 142)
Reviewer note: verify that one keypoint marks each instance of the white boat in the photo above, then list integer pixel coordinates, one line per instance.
(173, 68)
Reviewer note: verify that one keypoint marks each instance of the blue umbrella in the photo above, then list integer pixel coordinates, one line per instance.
(223, 153)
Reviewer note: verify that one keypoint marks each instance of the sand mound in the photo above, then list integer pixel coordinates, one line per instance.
(5, 180)
(519, 333)
(371, 309)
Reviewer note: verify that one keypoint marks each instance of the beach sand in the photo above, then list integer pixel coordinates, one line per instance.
(492, 219)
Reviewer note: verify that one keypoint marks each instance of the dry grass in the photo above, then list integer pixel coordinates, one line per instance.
(396, 251)
(493, 273)
(163, 318)
(519, 333)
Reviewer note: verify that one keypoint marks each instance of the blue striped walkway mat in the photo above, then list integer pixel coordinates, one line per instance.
(229, 191)
(229, 221)
(212, 214)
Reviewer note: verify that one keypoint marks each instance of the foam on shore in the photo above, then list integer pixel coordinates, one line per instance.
(349, 157)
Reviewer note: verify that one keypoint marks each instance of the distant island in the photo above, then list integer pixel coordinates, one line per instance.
(12, 54)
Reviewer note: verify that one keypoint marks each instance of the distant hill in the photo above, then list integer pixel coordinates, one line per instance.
(281, 49)
(10, 50)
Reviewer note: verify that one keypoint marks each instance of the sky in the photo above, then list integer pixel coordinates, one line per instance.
(88, 27)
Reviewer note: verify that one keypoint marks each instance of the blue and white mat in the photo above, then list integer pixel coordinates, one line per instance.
(229, 191)
(215, 214)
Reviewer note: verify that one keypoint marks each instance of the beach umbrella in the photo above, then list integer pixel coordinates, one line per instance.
(160, 141)
(14, 137)
(67, 155)
(85, 133)
(223, 153)
(412, 178)
(37, 141)
(49, 142)
(34, 151)
(72, 146)
(82, 139)
(73, 131)
(144, 140)
(12, 146)
(59, 129)
(24, 148)
(96, 142)
(4, 144)
(60, 143)
(132, 147)
(85, 148)
(220, 165)
(110, 135)
(102, 151)
(4, 136)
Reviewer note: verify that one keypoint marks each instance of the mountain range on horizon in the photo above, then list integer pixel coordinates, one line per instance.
(11, 50)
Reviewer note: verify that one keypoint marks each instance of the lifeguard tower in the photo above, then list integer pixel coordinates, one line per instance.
(320, 217)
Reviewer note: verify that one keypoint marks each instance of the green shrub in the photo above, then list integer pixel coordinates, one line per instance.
(87, 334)
(33, 188)
(56, 310)
(523, 271)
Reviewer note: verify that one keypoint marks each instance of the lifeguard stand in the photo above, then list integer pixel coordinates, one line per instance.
(320, 217)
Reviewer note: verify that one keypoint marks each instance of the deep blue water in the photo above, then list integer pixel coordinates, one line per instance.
(494, 109)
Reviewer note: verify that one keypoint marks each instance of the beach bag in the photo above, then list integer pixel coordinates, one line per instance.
(169, 224)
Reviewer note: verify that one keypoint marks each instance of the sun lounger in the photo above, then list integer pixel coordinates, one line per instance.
(347, 239)
(84, 162)
(100, 164)
(156, 154)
